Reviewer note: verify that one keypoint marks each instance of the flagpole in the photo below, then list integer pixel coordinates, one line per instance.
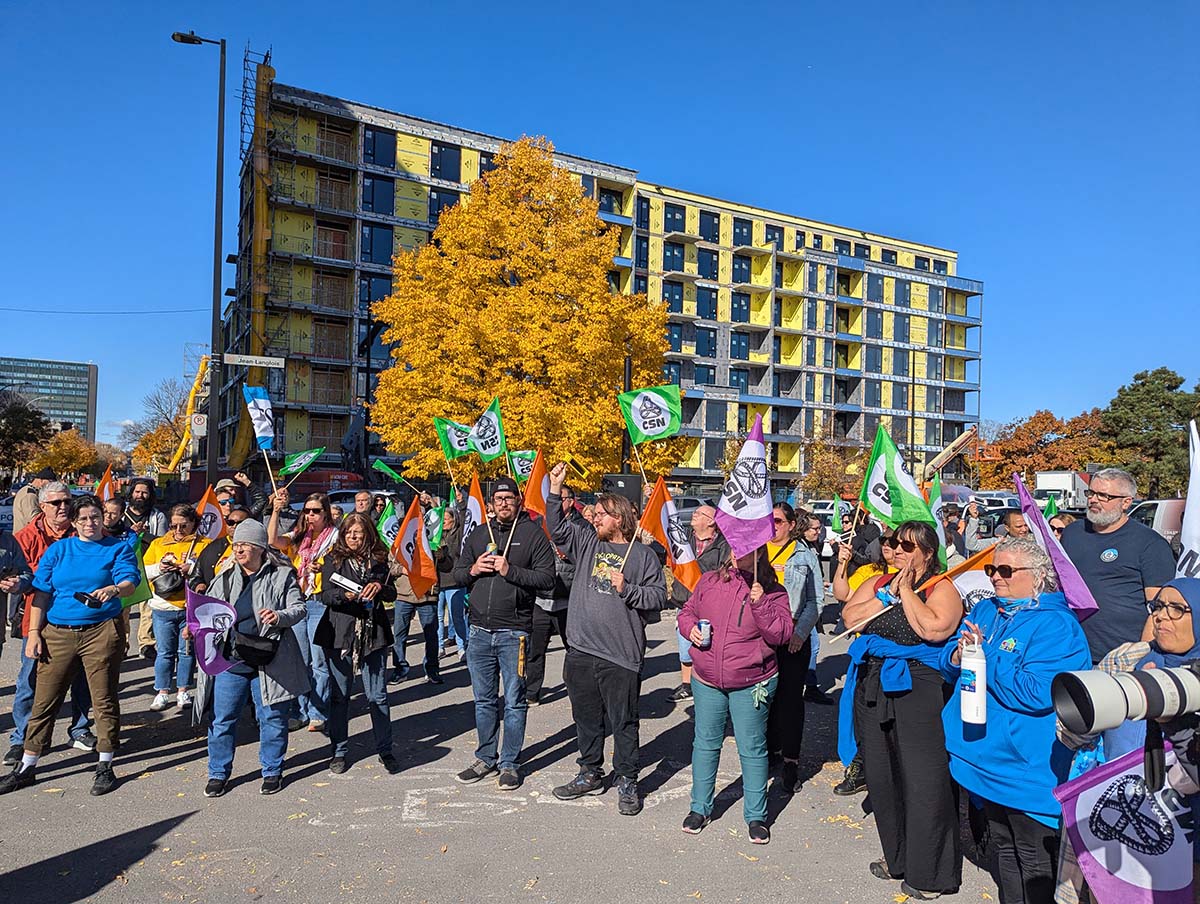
(449, 470)
(638, 456)
(270, 473)
(862, 624)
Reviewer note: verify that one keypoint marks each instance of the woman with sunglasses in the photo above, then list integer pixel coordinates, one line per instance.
(898, 693)
(1060, 522)
(356, 634)
(1028, 635)
(306, 545)
(170, 561)
(75, 624)
(802, 580)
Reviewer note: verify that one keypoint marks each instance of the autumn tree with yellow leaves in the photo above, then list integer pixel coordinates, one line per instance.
(67, 454)
(511, 299)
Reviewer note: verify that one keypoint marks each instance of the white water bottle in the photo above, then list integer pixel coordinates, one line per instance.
(972, 684)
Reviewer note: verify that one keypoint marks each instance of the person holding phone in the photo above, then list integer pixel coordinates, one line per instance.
(75, 623)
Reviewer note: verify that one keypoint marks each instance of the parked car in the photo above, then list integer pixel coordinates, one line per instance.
(992, 519)
(995, 500)
(1163, 516)
(6, 513)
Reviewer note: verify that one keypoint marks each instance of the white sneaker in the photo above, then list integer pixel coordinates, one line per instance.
(183, 699)
(161, 701)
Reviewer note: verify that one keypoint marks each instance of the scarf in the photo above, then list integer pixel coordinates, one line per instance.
(311, 553)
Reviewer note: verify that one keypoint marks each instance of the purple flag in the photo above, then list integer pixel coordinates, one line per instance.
(1132, 846)
(1079, 596)
(207, 619)
(744, 512)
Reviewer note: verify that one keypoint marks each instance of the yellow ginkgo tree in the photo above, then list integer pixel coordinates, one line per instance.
(511, 299)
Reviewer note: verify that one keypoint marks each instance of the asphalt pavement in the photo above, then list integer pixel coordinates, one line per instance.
(419, 836)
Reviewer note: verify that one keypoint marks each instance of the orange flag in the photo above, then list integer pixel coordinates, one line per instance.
(662, 523)
(968, 577)
(212, 523)
(537, 488)
(106, 489)
(411, 549)
(475, 512)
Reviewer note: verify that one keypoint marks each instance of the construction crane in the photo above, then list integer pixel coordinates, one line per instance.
(957, 447)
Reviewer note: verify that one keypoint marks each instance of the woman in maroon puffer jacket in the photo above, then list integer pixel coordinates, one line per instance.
(734, 676)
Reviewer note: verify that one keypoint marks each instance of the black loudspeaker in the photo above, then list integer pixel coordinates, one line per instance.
(627, 485)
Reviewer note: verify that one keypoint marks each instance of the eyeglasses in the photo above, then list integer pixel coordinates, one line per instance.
(57, 502)
(1174, 610)
(506, 499)
(599, 513)
(906, 545)
(181, 525)
(1103, 497)
(316, 511)
(1005, 571)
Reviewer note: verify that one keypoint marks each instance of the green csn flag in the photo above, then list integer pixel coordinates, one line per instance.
(1051, 507)
(454, 437)
(889, 492)
(299, 462)
(388, 524)
(936, 505)
(143, 591)
(378, 465)
(435, 541)
(487, 434)
(522, 463)
(652, 413)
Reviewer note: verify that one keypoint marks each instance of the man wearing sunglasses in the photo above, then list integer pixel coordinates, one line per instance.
(50, 525)
(1123, 562)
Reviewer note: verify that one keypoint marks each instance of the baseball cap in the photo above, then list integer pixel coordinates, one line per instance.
(505, 485)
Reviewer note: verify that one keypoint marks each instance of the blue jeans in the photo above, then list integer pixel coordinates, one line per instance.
(493, 656)
(230, 691)
(713, 707)
(81, 700)
(175, 664)
(313, 706)
(685, 649)
(341, 686)
(403, 616)
(454, 600)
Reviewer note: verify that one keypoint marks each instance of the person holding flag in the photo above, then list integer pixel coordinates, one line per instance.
(306, 545)
(169, 562)
(264, 654)
(355, 634)
(898, 694)
(452, 600)
(617, 585)
(504, 564)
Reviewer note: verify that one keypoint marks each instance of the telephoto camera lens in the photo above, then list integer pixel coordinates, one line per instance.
(1093, 701)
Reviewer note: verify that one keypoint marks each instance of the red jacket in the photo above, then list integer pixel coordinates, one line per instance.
(34, 539)
(744, 634)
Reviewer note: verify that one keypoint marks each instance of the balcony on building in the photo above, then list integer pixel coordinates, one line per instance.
(754, 250)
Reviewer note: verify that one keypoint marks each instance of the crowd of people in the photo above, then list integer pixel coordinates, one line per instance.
(320, 601)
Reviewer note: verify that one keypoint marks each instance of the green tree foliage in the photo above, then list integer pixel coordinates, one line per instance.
(1147, 422)
(22, 430)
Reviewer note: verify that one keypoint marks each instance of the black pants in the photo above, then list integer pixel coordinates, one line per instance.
(908, 777)
(785, 726)
(603, 693)
(1026, 854)
(544, 623)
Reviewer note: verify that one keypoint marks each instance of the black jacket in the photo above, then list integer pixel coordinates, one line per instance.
(256, 500)
(206, 563)
(714, 556)
(446, 557)
(338, 625)
(498, 602)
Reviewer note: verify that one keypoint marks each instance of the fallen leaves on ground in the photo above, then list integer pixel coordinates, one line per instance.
(748, 857)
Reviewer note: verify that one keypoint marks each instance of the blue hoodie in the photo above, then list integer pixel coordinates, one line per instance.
(1015, 759)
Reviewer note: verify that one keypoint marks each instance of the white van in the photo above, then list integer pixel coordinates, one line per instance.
(1163, 516)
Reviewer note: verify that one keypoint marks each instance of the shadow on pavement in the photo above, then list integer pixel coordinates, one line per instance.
(80, 873)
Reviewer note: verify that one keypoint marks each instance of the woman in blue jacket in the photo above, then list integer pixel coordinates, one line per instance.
(1014, 761)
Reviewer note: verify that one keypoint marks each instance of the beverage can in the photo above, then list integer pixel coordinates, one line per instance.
(972, 685)
(705, 627)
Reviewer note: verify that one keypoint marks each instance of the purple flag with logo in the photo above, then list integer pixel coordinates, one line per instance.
(1079, 597)
(744, 512)
(1132, 846)
(208, 618)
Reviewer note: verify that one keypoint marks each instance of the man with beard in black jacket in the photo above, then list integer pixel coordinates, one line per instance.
(504, 565)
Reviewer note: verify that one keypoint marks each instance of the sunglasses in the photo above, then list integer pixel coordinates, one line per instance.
(781, 521)
(1005, 571)
(316, 511)
(1174, 610)
(57, 502)
(906, 545)
(228, 500)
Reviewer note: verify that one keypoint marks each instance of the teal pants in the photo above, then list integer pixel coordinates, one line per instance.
(713, 708)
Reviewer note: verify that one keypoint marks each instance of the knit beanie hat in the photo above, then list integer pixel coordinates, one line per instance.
(252, 532)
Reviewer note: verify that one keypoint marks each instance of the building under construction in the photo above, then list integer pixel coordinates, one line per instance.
(823, 329)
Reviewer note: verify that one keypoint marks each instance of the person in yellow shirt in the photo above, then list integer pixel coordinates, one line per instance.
(781, 546)
(170, 561)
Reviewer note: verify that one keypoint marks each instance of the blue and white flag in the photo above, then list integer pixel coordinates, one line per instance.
(258, 403)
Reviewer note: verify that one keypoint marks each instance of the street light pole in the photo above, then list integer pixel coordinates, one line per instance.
(212, 442)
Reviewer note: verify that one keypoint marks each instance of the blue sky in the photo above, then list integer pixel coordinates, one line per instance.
(1048, 143)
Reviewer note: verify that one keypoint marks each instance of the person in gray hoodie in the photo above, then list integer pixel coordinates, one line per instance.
(617, 587)
(268, 601)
